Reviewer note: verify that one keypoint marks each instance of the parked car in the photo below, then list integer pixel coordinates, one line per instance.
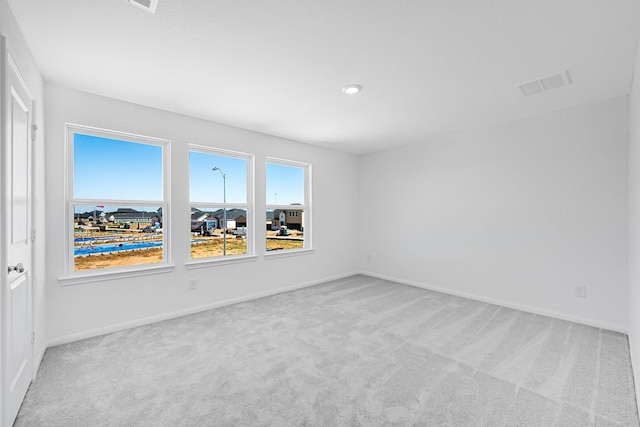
(149, 229)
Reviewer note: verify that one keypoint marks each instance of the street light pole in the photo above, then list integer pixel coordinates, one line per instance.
(224, 210)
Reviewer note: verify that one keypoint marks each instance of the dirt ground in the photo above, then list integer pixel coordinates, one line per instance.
(213, 247)
(144, 256)
(281, 244)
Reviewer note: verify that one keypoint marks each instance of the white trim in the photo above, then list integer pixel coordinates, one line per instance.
(522, 307)
(306, 207)
(152, 203)
(634, 369)
(184, 312)
(38, 361)
(252, 232)
(20, 78)
(222, 151)
(212, 205)
(287, 253)
(167, 219)
(113, 274)
(70, 130)
(4, 137)
(108, 133)
(221, 260)
(271, 207)
(249, 205)
(68, 180)
(287, 162)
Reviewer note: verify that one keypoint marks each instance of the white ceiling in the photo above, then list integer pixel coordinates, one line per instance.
(427, 67)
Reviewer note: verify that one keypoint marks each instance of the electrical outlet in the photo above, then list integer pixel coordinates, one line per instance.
(368, 258)
(581, 291)
(193, 284)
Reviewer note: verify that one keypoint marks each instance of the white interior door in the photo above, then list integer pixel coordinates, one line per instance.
(17, 302)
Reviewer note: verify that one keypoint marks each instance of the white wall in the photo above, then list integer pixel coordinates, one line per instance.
(634, 225)
(76, 311)
(517, 214)
(29, 70)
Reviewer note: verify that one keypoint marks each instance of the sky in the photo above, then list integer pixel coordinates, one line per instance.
(206, 185)
(285, 184)
(105, 169)
(112, 169)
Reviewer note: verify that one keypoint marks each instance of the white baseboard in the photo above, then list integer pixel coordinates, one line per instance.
(38, 361)
(171, 315)
(634, 369)
(503, 303)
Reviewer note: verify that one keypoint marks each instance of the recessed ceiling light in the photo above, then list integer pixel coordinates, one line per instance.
(351, 89)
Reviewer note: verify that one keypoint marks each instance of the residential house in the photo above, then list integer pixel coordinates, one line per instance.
(133, 216)
(292, 218)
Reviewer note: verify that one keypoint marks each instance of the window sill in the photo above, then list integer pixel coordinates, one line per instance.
(287, 253)
(219, 261)
(80, 278)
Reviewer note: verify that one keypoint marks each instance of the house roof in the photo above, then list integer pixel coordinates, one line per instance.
(232, 214)
(126, 211)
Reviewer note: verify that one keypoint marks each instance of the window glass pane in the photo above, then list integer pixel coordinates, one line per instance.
(285, 184)
(207, 236)
(105, 168)
(285, 229)
(207, 185)
(116, 236)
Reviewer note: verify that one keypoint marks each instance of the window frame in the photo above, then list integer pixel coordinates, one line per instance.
(249, 206)
(75, 277)
(305, 208)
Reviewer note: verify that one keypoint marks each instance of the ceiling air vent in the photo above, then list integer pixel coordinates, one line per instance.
(148, 5)
(546, 83)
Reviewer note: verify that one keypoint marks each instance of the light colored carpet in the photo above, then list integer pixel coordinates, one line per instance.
(358, 351)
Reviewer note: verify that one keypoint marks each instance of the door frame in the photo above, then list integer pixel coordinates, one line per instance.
(7, 63)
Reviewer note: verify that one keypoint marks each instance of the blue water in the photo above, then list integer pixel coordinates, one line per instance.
(117, 247)
(94, 239)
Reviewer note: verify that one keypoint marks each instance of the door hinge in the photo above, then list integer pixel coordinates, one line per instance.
(33, 234)
(34, 131)
(33, 337)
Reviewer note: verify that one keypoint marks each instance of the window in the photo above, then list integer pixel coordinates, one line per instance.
(117, 204)
(221, 197)
(288, 216)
